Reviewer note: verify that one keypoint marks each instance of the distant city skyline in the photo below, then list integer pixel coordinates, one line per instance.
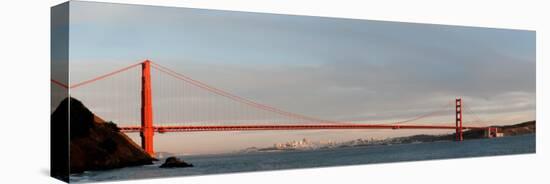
(322, 67)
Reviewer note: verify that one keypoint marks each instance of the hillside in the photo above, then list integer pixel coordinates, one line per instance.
(528, 127)
(94, 144)
(519, 129)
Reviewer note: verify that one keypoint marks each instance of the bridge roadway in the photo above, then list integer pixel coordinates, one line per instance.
(203, 128)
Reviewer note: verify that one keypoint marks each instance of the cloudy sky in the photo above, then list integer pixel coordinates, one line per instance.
(336, 69)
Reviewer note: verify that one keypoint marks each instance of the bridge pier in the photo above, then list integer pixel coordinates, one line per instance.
(147, 130)
(492, 132)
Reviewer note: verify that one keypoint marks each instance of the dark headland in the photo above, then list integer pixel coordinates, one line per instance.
(94, 144)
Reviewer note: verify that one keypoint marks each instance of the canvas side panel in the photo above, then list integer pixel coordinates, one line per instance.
(59, 124)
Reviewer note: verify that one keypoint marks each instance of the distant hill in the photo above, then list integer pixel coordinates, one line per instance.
(528, 127)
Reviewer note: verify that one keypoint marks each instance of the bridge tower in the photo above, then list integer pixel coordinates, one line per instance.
(147, 130)
(458, 104)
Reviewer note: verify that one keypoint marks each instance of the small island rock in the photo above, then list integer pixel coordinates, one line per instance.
(171, 162)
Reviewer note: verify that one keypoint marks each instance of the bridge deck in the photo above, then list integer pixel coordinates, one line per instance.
(162, 129)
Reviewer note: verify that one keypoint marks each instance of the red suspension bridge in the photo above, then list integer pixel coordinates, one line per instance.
(183, 104)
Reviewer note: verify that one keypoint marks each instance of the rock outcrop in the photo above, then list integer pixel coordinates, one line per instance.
(172, 162)
(95, 144)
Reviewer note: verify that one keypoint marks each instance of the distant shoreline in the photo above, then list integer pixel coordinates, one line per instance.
(528, 127)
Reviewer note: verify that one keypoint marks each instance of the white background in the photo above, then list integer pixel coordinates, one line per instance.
(24, 94)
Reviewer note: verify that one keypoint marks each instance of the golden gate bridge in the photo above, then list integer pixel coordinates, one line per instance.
(183, 104)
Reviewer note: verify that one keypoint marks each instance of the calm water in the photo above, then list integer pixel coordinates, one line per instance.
(214, 164)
